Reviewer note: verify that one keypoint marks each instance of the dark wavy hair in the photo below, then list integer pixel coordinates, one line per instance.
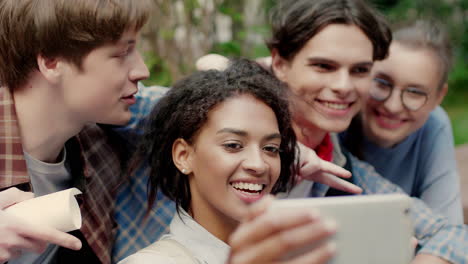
(184, 110)
(294, 22)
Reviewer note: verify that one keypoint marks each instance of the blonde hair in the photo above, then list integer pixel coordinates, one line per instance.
(425, 34)
(60, 28)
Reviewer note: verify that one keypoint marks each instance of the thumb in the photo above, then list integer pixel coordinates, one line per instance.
(258, 208)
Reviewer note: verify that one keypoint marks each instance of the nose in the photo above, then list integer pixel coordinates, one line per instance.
(393, 104)
(254, 162)
(342, 83)
(139, 70)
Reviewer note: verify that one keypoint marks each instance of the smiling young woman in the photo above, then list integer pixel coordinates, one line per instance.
(402, 131)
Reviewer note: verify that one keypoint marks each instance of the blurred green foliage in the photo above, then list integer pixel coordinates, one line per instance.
(159, 71)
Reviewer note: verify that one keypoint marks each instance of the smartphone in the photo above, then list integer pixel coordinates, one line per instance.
(372, 229)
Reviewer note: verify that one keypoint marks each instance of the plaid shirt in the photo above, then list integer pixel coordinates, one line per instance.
(95, 169)
(134, 232)
(436, 236)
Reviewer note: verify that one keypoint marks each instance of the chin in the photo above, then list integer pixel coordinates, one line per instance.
(385, 138)
(120, 121)
(335, 126)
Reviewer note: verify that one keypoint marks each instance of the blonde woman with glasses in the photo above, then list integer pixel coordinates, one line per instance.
(407, 135)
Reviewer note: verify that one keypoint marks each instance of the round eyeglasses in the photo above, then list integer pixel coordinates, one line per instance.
(412, 98)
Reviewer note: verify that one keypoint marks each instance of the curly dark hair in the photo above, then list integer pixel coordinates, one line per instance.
(184, 110)
(294, 22)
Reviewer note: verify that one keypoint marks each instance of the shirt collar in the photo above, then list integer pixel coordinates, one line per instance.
(338, 157)
(203, 245)
(319, 189)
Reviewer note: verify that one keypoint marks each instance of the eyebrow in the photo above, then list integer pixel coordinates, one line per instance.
(131, 41)
(273, 136)
(418, 86)
(244, 134)
(126, 42)
(325, 60)
(314, 59)
(365, 64)
(382, 75)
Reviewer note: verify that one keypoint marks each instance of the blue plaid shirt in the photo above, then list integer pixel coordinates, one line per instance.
(134, 232)
(436, 236)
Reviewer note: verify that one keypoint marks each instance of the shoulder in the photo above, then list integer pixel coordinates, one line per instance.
(438, 119)
(439, 114)
(437, 131)
(97, 138)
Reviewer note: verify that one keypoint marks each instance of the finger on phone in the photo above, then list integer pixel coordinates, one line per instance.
(258, 208)
(320, 255)
(278, 245)
(269, 223)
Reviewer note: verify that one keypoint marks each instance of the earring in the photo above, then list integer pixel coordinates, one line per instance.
(184, 171)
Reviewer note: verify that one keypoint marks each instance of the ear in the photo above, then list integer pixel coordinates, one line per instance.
(50, 68)
(279, 65)
(181, 155)
(441, 94)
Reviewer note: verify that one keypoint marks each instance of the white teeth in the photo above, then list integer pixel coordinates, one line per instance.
(248, 186)
(335, 105)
